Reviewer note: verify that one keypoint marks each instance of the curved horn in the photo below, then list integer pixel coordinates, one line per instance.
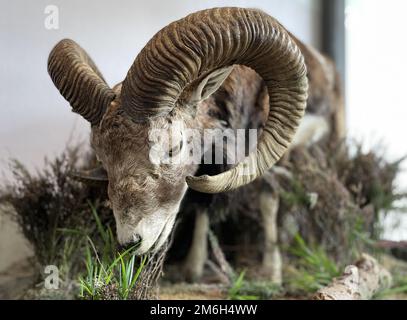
(79, 81)
(211, 39)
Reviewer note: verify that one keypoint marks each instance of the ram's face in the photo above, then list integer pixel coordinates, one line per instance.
(145, 195)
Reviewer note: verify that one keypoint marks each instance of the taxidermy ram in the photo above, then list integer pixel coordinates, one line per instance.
(225, 68)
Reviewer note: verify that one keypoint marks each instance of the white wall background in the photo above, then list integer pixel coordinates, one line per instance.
(377, 84)
(35, 121)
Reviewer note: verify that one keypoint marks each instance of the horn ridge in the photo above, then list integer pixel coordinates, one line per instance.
(79, 80)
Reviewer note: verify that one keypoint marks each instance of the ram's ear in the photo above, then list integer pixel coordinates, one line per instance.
(209, 84)
(92, 176)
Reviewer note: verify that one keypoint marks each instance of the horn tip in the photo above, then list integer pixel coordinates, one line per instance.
(201, 183)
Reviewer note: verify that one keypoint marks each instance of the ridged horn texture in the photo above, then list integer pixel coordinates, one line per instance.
(205, 41)
(79, 80)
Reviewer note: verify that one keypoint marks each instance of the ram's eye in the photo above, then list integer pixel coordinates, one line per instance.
(175, 151)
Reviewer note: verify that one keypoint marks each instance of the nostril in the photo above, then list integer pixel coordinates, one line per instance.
(126, 246)
(137, 238)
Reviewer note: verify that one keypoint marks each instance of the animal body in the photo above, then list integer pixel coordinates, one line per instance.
(222, 68)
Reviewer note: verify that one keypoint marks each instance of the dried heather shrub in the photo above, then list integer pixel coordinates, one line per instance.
(350, 191)
(50, 201)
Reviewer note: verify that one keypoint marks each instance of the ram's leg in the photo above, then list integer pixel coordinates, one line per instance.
(271, 265)
(198, 252)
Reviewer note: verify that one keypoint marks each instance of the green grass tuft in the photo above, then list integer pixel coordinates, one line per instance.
(109, 273)
(236, 292)
(314, 269)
